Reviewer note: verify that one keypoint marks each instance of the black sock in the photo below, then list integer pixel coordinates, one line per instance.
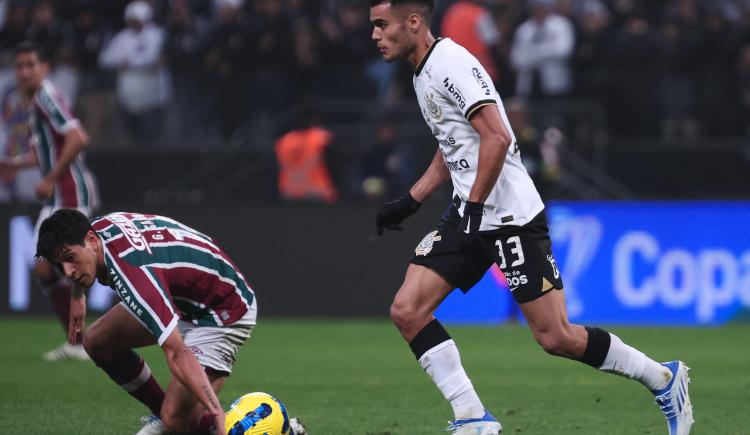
(430, 336)
(597, 347)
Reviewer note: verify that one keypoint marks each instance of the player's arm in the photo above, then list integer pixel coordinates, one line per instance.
(76, 140)
(494, 140)
(77, 317)
(434, 176)
(188, 372)
(26, 160)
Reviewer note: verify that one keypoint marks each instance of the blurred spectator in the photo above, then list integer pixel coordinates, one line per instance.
(45, 31)
(539, 149)
(307, 60)
(15, 140)
(541, 53)
(347, 48)
(387, 167)
(717, 74)
(301, 154)
(743, 72)
(591, 63)
(632, 107)
(186, 37)
(272, 35)
(143, 87)
(87, 37)
(15, 26)
(469, 24)
(680, 39)
(227, 63)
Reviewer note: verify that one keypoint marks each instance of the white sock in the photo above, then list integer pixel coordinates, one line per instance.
(631, 363)
(443, 364)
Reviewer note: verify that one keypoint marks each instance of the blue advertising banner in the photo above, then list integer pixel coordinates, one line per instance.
(636, 263)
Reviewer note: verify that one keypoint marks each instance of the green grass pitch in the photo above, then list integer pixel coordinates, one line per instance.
(358, 377)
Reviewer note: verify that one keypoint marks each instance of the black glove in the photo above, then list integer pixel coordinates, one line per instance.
(472, 218)
(392, 213)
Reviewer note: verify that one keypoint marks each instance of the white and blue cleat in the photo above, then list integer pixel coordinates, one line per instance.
(674, 400)
(487, 425)
(151, 425)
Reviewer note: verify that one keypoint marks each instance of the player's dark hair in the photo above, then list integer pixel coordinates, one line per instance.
(29, 47)
(425, 6)
(64, 227)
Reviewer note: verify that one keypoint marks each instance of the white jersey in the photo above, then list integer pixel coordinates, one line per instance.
(451, 85)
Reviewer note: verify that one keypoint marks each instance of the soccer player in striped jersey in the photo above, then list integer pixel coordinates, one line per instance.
(58, 142)
(178, 289)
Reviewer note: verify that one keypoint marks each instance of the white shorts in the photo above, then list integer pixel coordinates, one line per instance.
(216, 347)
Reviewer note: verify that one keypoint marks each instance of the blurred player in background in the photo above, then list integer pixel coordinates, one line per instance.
(58, 141)
(178, 289)
(496, 216)
(14, 114)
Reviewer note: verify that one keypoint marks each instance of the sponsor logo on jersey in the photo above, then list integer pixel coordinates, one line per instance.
(447, 142)
(425, 246)
(128, 299)
(515, 279)
(457, 165)
(133, 234)
(455, 92)
(432, 108)
(480, 79)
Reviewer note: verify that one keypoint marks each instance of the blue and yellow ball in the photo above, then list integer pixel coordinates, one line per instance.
(257, 414)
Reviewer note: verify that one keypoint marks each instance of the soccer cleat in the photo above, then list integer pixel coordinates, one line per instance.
(297, 428)
(152, 425)
(67, 351)
(674, 400)
(487, 425)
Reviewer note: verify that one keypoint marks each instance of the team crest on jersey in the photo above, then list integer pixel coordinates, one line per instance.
(425, 246)
(432, 107)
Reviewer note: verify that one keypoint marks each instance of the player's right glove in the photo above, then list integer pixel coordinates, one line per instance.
(392, 213)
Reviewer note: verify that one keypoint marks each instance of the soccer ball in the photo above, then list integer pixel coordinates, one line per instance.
(257, 414)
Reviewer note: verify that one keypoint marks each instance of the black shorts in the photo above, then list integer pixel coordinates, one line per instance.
(524, 254)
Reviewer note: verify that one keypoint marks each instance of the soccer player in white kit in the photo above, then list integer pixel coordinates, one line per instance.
(496, 216)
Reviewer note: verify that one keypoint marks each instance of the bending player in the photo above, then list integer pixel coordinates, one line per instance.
(496, 216)
(178, 289)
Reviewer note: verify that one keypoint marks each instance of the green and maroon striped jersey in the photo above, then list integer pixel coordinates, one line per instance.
(163, 270)
(49, 120)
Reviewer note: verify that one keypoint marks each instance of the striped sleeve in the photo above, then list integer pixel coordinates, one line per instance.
(141, 292)
(55, 110)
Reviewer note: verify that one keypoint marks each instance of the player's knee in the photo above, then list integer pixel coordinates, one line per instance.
(554, 343)
(93, 342)
(403, 315)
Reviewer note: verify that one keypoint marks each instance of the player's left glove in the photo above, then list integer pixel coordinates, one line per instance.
(472, 218)
(391, 214)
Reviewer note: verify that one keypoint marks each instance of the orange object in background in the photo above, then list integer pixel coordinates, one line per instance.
(303, 174)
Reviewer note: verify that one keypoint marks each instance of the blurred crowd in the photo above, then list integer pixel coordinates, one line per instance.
(200, 69)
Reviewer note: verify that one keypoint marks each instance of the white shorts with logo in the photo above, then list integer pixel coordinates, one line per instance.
(216, 347)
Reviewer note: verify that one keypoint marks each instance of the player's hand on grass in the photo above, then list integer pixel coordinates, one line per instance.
(77, 318)
(392, 213)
